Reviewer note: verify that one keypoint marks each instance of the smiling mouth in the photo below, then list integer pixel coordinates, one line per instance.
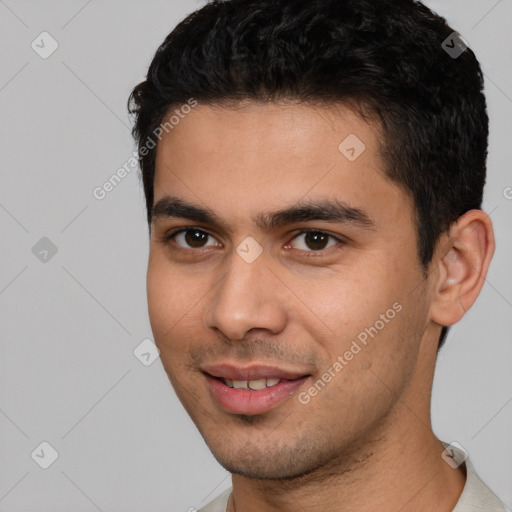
(250, 385)
(253, 396)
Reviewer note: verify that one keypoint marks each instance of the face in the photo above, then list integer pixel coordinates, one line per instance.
(285, 263)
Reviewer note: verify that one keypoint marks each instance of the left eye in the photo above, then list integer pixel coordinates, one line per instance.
(315, 240)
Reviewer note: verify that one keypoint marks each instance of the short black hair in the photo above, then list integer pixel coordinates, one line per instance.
(389, 59)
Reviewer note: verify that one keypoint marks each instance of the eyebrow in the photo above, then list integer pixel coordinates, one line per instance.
(329, 210)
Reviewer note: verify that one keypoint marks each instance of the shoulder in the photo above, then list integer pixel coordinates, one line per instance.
(476, 495)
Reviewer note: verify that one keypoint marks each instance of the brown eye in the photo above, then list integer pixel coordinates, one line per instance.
(190, 238)
(315, 241)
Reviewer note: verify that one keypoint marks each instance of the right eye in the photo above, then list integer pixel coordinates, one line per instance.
(188, 238)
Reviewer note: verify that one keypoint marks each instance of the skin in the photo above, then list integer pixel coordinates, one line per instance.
(370, 427)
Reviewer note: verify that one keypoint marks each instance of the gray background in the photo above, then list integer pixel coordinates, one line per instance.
(69, 325)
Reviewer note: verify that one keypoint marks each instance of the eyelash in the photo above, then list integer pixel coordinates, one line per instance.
(311, 253)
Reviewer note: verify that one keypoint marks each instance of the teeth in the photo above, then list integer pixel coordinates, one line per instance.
(258, 384)
(240, 384)
(251, 384)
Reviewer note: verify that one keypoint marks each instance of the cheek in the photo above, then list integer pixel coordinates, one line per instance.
(378, 359)
(160, 296)
(164, 308)
(174, 299)
(166, 299)
(373, 318)
(392, 336)
(349, 302)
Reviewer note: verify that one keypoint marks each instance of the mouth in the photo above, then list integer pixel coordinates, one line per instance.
(251, 385)
(252, 390)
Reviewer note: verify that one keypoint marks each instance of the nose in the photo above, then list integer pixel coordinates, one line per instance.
(249, 296)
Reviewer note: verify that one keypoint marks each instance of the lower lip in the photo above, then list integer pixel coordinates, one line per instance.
(241, 401)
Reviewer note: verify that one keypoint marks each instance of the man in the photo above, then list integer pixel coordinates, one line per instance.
(313, 172)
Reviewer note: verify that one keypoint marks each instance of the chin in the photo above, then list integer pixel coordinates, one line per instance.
(271, 463)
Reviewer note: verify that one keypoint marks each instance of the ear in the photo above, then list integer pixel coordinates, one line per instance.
(462, 259)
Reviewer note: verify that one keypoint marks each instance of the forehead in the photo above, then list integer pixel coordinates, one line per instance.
(272, 132)
(241, 158)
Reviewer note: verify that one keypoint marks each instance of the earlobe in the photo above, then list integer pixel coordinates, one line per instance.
(463, 257)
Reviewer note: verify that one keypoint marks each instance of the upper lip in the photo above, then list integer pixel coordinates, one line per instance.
(253, 372)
